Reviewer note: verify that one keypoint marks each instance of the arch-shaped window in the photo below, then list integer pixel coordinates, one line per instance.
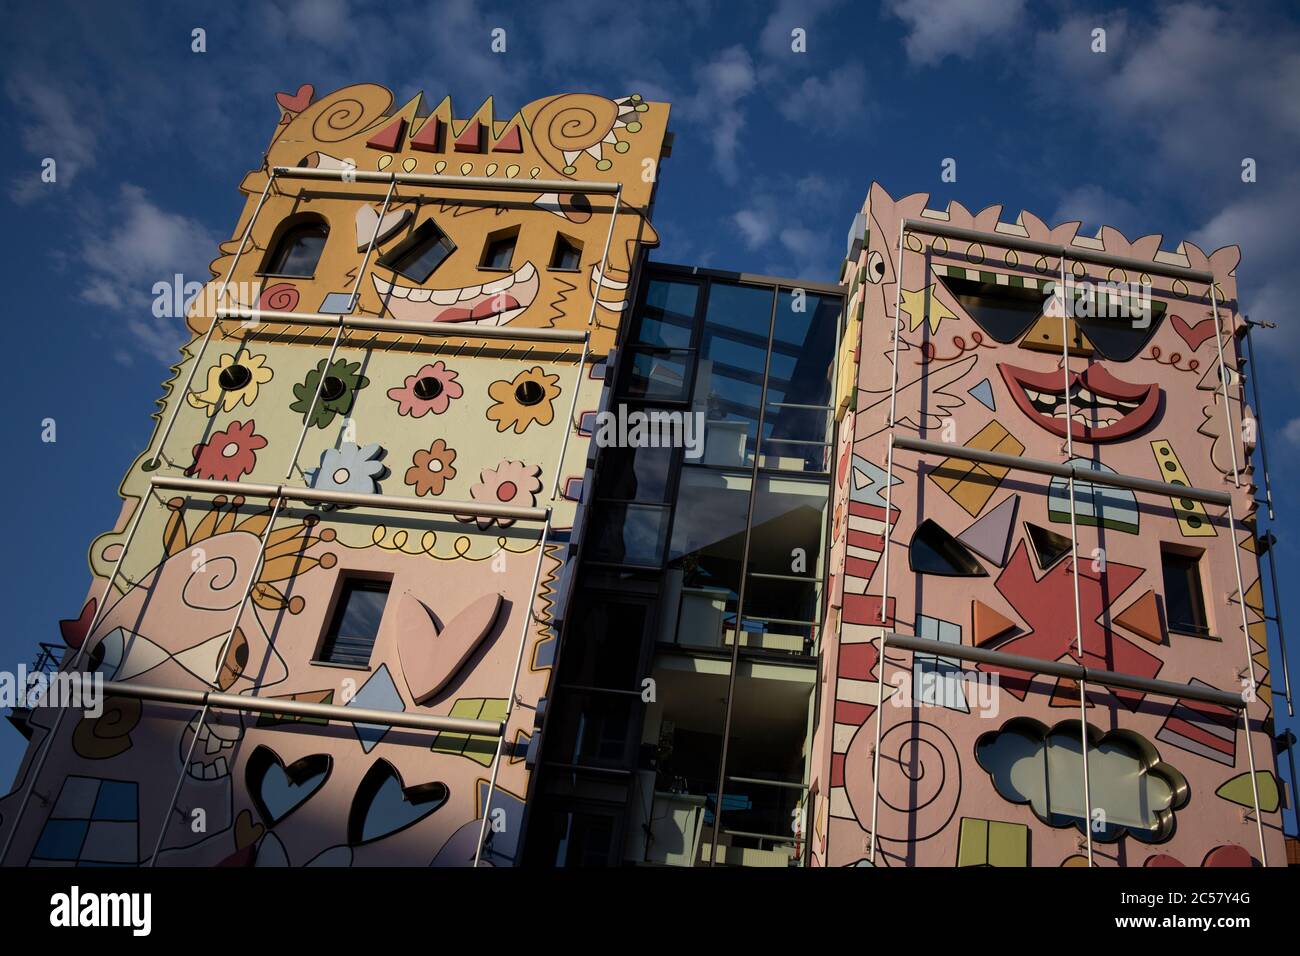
(298, 249)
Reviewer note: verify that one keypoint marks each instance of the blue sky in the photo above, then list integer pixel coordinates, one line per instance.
(774, 153)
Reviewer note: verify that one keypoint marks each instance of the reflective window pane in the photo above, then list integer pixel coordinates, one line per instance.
(610, 633)
(729, 374)
(659, 376)
(628, 534)
(709, 528)
(635, 474)
(668, 315)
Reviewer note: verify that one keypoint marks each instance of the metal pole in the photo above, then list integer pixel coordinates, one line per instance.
(454, 182)
(221, 660)
(884, 577)
(322, 496)
(311, 408)
(1229, 436)
(514, 687)
(207, 336)
(1250, 669)
(1074, 556)
(573, 408)
(241, 703)
(740, 596)
(48, 742)
(604, 259)
(1055, 470)
(272, 317)
(935, 228)
(353, 299)
(1268, 498)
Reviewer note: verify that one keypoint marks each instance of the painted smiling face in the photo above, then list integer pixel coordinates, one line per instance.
(477, 265)
(1100, 330)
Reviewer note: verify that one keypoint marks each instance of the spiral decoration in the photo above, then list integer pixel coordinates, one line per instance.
(281, 297)
(572, 124)
(920, 773)
(109, 734)
(334, 120)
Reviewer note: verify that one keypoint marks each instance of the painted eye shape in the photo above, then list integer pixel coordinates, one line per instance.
(383, 805)
(106, 656)
(572, 207)
(875, 267)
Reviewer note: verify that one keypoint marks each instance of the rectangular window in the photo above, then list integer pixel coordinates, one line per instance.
(419, 254)
(567, 256)
(352, 632)
(1184, 601)
(499, 251)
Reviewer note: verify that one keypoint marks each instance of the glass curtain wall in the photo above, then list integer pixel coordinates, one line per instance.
(702, 571)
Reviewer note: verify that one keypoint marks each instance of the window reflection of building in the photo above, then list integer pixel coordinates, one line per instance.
(692, 568)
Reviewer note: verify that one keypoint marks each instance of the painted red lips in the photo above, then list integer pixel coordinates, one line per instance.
(1103, 408)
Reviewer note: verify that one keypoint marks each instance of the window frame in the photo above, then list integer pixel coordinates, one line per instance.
(277, 250)
(404, 249)
(494, 239)
(1193, 571)
(337, 608)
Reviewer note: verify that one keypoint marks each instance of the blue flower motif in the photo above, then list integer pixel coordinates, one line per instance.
(353, 468)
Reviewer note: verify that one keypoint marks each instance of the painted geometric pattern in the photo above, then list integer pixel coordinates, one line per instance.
(94, 823)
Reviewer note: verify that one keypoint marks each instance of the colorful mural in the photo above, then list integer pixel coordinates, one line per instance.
(967, 750)
(436, 418)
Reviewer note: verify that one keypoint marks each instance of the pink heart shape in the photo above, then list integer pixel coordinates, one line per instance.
(298, 101)
(1193, 335)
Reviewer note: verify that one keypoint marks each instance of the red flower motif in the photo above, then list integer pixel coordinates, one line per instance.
(431, 389)
(228, 455)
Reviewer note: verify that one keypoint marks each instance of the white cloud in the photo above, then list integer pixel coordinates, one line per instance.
(939, 28)
(836, 101)
(130, 246)
(1096, 206)
(1291, 431)
(722, 84)
(55, 128)
(755, 226)
(776, 39)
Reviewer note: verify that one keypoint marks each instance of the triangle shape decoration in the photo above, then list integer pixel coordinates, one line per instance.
(990, 536)
(987, 625)
(934, 551)
(982, 392)
(1049, 547)
(1142, 617)
(389, 138)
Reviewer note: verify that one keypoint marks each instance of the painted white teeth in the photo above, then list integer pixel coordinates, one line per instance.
(470, 292)
(420, 295)
(444, 296)
(401, 291)
(525, 272)
(382, 285)
(500, 285)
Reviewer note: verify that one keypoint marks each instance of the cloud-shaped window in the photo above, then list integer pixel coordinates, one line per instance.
(1137, 792)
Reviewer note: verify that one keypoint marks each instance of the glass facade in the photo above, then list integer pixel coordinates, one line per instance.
(689, 651)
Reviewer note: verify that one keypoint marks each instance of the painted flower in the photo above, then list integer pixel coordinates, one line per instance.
(431, 470)
(529, 397)
(350, 468)
(343, 379)
(235, 379)
(509, 483)
(431, 389)
(228, 455)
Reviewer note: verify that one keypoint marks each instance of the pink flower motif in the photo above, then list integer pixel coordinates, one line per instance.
(431, 389)
(228, 455)
(509, 483)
